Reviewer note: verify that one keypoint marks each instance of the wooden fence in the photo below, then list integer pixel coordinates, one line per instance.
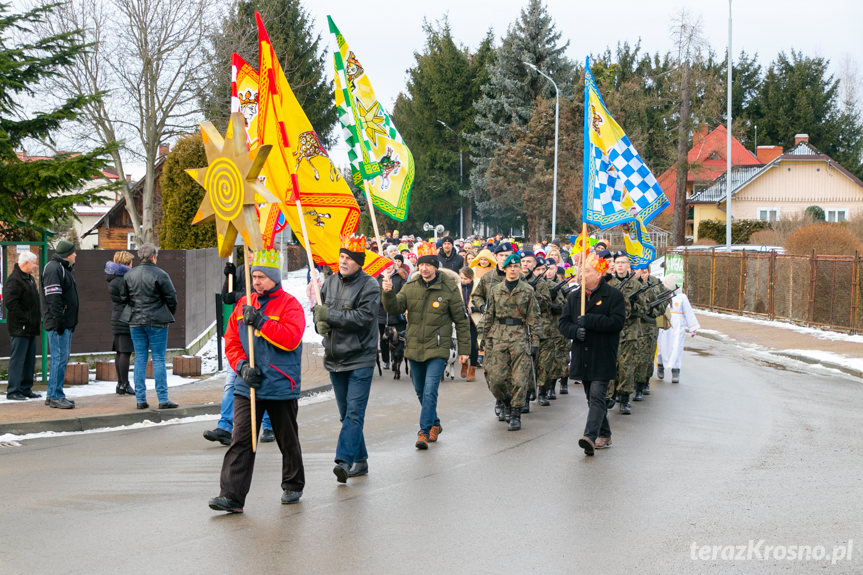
(809, 290)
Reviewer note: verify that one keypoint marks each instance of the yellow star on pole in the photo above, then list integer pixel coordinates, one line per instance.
(231, 183)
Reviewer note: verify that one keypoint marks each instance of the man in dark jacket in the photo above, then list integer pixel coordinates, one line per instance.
(433, 303)
(60, 305)
(153, 301)
(345, 318)
(448, 257)
(24, 321)
(595, 338)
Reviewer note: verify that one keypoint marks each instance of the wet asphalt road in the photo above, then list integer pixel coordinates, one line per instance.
(743, 449)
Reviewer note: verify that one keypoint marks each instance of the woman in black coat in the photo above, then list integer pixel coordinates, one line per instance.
(123, 348)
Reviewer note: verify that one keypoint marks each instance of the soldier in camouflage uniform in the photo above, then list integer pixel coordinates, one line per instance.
(649, 332)
(543, 359)
(480, 295)
(623, 280)
(560, 362)
(510, 339)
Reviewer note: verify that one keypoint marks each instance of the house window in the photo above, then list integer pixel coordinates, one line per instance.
(768, 214)
(837, 215)
(130, 242)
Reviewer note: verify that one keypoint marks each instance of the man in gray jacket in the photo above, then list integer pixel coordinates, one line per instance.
(346, 318)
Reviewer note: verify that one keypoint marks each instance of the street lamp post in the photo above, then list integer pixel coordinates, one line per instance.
(556, 124)
(460, 178)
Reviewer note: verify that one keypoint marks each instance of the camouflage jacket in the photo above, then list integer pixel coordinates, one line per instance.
(559, 299)
(543, 298)
(518, 306)
(651, 313)
(635, 307)
(480, 295)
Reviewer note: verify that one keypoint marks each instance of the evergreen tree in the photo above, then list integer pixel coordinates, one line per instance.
(509, 97)
(181, 197)
(41, 192)
(441, 89)
(298, 49)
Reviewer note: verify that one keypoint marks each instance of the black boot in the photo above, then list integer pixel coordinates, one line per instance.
(129, 389)
(531, 396)
(550, 391)
(564, 386)
(639, 396)
(543, 398)
(625, 407)
(498, 409)
(645, 387)
(610, 401)
(675, 376)
(121, 389)
(507, 413)
(526, 407)
(515, 420)
(660, 371)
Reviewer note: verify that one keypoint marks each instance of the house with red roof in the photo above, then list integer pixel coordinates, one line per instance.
(707, 161)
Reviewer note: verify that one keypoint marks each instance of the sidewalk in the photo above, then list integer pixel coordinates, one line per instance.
(831, 349)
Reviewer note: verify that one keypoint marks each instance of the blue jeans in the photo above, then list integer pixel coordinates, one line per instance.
(60, 346)
(147, 338)
(352, 396)
(426, 377)
(226, 421)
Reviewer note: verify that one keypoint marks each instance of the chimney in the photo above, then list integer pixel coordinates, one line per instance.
(163, 150)
(767, 154)
(801, 138)
(699, 134)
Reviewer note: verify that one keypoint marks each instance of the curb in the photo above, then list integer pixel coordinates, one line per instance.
(124, 418)
(795, 356)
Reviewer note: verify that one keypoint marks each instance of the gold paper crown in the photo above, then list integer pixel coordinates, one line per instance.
(425, 249)
(267, 259)
(354, 243)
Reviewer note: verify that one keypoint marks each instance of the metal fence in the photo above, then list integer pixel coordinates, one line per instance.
(809, 290)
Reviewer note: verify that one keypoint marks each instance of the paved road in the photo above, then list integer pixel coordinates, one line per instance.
(740, 451)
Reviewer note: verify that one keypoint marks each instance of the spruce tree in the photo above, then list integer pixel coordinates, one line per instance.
(509, 97)
(181, 197)
(43, 192)
(300, 53)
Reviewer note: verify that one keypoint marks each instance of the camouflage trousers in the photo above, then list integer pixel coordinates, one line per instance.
(561, 355)
(646, 352)
(508, 370)
(544, 365)
(626, 368)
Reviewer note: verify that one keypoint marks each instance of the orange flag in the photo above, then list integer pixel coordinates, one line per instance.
(299, 167)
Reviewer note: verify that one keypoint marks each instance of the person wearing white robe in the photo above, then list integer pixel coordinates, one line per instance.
(671, 340)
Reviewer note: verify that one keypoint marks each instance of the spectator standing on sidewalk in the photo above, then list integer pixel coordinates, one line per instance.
(279, 321)
(60, 306)
(115, 270)
(23, 319)
(433, 302)
(346, 319)
(225, 426)
(448, 257)
(152, 301)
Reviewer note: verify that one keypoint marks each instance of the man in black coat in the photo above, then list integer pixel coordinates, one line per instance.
(23, 320)
(60, 305)
(595, 338)
(448, 257)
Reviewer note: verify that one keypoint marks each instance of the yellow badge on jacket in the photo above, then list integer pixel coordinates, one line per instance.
(599, 302)
(435, 304)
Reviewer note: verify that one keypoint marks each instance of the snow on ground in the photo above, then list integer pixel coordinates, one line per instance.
(813, 331)
(295, 284)
(10, 438)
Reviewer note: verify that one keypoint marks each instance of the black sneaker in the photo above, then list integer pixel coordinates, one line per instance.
(289, 497)
(167, 404)
(342, 472)
(143, 405)
(30, 395)
(267, 436)
(15, 396)
(226, 504)
(219, 435)
(61, 403)
(359, 468)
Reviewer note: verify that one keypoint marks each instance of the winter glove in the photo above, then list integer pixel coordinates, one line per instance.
(323, 328)
(230, 269)
(321, 311)
(581, 321)
(252, 376)
(580, 334)
(555, 308)
(229, 298)
(253, 317)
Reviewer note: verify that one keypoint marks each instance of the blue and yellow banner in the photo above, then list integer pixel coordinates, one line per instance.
(618, 187)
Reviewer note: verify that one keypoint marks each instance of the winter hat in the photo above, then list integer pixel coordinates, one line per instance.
(64, 248)
(671, 281)
(505, 247)
(354, 247)
(427, 255)
(484, 254)
(512, 258)
(268, 262)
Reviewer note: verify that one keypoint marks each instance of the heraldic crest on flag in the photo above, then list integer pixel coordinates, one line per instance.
(376, 150)
(618, 185)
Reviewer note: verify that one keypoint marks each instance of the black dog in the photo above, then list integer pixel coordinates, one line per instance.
(396, 340)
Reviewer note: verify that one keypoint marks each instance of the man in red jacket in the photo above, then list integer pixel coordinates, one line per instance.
(279, 322)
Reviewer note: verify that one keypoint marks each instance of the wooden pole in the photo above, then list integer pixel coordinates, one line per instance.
(372, 215)
(312, 269)
(247, 267)
(583, 265)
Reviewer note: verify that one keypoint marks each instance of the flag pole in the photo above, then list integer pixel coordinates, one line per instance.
(247, 266)
(312, 269)
(372, 214)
